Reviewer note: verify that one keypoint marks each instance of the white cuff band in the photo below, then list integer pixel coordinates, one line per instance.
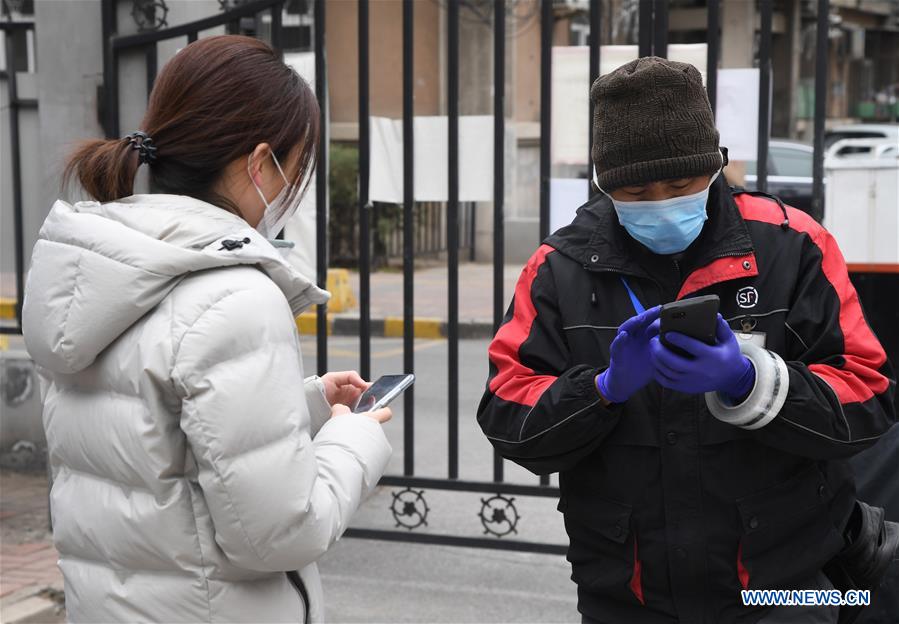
(768, 395)
(316, 403)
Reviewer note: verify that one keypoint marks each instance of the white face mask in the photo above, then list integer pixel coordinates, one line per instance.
(278, 212)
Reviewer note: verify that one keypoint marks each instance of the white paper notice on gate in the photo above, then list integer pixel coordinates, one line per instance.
(300, 228)
(737, 112)
(566, 195)
(430, 158)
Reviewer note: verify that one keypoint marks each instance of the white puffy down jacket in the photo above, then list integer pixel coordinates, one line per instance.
(193, 467)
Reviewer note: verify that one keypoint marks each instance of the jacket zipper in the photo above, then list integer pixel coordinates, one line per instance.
(732, 253)
(608, 270)
(294, 577)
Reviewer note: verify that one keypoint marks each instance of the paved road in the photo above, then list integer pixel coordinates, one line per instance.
(387, 582)
(370, 581)
(431, 403)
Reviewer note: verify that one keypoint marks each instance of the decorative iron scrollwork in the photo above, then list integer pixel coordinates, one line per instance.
(150, 14)
(17, 383)
(409, 508)
(14, 6)
(499, 515)
(227, 5)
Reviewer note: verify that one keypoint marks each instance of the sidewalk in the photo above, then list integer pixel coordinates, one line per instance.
(430, 305)
(30, 582)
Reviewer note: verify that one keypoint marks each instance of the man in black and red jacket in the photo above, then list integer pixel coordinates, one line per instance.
(687, 477)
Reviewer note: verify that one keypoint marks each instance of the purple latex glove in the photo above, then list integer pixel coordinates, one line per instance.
(710, 368)
(629, 364)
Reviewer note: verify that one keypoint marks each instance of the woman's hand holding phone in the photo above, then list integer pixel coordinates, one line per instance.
(347, 388)
(344, 387)
(381, 415)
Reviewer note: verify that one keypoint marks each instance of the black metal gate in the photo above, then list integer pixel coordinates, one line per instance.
(653, 36)
(13, 32)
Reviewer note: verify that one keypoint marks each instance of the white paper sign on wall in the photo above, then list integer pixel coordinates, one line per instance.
(431, 164)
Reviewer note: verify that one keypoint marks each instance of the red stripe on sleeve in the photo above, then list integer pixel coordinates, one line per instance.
(636, 583)
(859, 379)
(742, 572)
(514, 381)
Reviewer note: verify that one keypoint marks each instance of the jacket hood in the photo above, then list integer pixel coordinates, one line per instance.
(98, 268)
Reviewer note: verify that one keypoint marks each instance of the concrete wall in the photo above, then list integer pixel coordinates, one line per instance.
(70, 70)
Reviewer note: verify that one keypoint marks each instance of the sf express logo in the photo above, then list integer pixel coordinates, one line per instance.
(747, 297)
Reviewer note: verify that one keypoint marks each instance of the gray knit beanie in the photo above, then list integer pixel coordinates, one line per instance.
(652, 121)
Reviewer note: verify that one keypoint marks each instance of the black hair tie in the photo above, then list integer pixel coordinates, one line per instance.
(146, 151)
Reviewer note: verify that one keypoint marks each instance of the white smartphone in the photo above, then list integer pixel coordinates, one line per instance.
(382, 392)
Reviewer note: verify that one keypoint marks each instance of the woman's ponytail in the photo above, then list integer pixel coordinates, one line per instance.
(105, 168)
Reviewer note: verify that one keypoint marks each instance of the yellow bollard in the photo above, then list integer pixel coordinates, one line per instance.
(342, 297)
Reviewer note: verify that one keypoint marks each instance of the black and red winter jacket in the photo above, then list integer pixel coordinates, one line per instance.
(671, 512)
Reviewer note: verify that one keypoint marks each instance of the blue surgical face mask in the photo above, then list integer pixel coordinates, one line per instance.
(666, 226)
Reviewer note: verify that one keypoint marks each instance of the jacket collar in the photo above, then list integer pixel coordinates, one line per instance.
(722, 251)
(178, 234)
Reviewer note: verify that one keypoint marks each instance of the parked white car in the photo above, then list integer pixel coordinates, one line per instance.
(789, 172)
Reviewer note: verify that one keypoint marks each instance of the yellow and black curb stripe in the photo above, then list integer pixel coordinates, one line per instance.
(7, 313)
(7, 309)
(391, 327)
(388, 327)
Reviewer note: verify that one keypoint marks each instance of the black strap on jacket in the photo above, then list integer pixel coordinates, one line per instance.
(737, 190)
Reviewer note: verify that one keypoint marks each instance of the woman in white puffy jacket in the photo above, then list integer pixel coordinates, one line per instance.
(197, 476)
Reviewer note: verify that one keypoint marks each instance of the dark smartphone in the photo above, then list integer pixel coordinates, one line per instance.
(695, 317)
(382, 392)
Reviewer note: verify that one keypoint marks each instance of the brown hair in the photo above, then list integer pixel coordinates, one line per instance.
(213, 102)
